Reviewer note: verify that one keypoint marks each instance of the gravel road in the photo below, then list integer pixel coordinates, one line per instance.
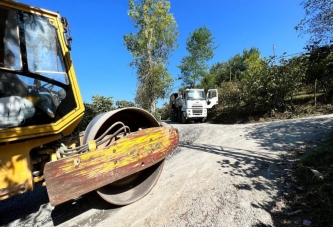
(221, 175)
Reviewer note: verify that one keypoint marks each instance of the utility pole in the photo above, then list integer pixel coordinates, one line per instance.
(274, 54)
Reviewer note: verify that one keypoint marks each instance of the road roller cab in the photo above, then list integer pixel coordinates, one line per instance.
(122, 152)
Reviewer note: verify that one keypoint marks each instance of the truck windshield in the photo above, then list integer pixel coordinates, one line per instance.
(192, 95)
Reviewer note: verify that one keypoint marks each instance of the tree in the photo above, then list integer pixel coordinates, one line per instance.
(100, 104)
(294, 74)
(124, 103)
(320, 68)
(164, 111)
(207, 81)
(221, 72)
(318, 21)
(151, 47)
(256, 83)
(200, 45)
(234, 68)
(89, 114)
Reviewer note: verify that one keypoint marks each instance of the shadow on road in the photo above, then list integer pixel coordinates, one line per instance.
(264, 173)
(21, 206)
(285, 135)
(33, 209)
(71, 209)
(269, 172)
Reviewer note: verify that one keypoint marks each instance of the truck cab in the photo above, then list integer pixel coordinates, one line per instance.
(192, 104)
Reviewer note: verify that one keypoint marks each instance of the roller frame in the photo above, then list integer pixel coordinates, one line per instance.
(74, 176)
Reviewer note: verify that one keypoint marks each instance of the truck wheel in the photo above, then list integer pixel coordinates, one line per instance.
(184, 121)
(179, 116)
(171, 117)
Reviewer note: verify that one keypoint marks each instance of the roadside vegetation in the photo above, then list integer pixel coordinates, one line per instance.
(252, 88)
(313, 174)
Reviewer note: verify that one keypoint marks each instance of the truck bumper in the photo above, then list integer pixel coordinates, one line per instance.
(196, 113)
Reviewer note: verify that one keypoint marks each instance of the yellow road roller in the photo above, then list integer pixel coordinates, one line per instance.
(120, 154)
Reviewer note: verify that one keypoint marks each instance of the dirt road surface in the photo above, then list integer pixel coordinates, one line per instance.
(221, 175)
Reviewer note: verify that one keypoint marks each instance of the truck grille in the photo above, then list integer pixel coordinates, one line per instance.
(197, 112)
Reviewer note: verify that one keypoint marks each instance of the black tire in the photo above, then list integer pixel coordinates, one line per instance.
(179, 116)
(203, 120)
(184, 121)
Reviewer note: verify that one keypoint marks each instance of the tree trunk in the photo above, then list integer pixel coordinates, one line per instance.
(315, 93)
(152, 105)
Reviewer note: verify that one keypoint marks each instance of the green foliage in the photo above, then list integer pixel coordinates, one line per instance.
(123, 104)
(230, 94)
(320, 68)
(208, 81)
(317, 22)
(318, 190)
(200, 45)
(293, 73)
(234, 68)
(221, 72)
(100, 104)
(151, 47)
(89, 114)
(320, 158)
(248, 80)
(267, 87)
(157, 115)
(164, 112)
(257, 85)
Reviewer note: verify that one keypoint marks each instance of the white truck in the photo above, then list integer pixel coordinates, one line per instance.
(192, 104)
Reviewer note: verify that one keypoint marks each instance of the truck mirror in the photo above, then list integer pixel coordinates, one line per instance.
(67, 33)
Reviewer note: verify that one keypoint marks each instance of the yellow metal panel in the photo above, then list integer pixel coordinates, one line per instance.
(15, 166)
(28, 8)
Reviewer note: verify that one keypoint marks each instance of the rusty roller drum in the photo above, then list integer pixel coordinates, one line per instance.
(135, 186)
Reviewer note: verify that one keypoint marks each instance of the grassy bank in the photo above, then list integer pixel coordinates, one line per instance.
(303, 106)
(308, 188)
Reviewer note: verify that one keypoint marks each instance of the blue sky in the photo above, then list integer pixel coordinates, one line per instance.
(101, 60)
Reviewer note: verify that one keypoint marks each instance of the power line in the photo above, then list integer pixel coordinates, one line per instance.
(275, 58)
(292, 54)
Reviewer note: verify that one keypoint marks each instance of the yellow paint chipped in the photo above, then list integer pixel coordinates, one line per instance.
(129, 150)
